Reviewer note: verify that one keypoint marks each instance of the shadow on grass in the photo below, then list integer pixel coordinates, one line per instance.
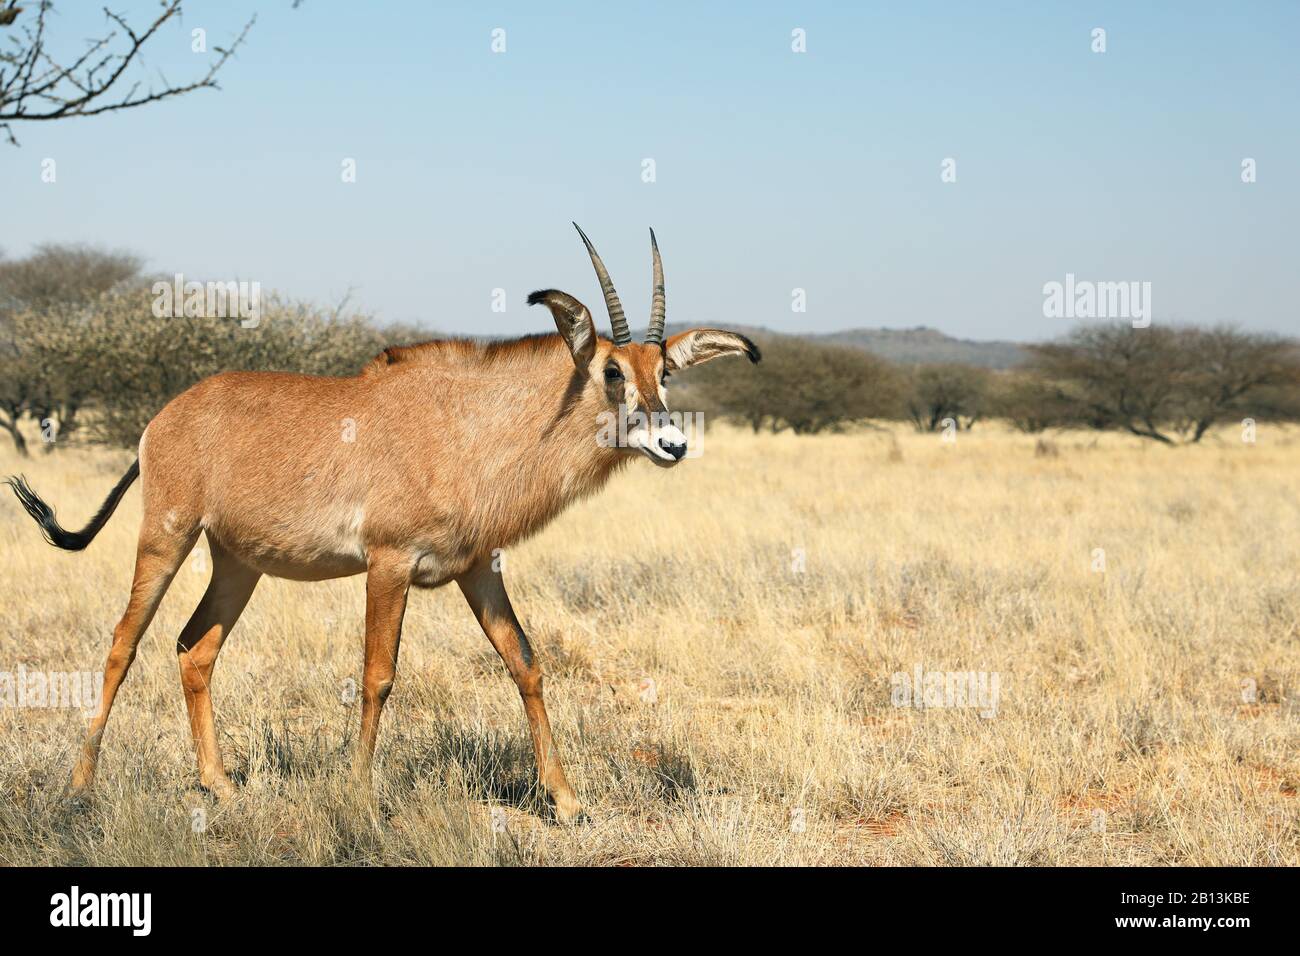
(283, 751)
(494, 767)
(656, 773)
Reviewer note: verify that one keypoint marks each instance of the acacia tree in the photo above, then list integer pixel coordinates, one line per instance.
(1164, 383)
(1118, 376)
(35, 86)
(1233, 373)
(803, 387)
(41, 298)
(58, 274)
(132, 360)
(946, 390)
(18, 383)
(1032, 404)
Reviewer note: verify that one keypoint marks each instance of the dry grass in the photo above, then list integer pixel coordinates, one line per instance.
(1120, 692)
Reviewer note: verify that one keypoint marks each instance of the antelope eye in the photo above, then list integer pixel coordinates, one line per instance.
(613, 374)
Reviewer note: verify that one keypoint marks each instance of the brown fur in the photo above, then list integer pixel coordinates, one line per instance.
(459, 423)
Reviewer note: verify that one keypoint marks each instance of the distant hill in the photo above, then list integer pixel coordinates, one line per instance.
(916, 346)
(923, 345)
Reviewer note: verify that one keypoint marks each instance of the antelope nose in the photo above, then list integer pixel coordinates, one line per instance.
(676, 451)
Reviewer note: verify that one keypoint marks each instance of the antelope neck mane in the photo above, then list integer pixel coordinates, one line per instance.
(472, 353)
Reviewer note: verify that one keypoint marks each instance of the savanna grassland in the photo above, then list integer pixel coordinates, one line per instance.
(1148, 713)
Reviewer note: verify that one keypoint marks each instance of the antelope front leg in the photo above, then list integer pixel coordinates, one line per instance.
(387, 581)
(486, 593)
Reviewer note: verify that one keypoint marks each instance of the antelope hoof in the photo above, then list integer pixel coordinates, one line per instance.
(222, 789)
(79, 794)
(568, 810)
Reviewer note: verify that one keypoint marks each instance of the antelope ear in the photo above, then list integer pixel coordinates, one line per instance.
(704, 345)
(573, 319)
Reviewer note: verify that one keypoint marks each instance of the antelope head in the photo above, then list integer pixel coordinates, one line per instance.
(633, 376)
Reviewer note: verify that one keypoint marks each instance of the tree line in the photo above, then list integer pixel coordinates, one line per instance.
(1167, 384)
(79, 333)
(84, 356)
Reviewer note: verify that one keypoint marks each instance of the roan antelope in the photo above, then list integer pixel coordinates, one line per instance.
(458, 448)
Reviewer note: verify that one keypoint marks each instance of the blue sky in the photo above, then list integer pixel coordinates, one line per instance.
(774, 170)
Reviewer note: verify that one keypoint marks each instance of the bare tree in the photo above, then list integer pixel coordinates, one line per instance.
(34, 86)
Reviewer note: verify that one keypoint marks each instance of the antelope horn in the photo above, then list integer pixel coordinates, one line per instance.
(655, 333)
(617, 320)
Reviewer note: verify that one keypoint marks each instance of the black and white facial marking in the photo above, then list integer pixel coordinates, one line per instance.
(635, 379)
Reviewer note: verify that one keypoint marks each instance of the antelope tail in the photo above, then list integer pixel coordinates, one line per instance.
(54, 532)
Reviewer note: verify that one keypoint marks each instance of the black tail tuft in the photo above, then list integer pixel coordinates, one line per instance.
(54, 532)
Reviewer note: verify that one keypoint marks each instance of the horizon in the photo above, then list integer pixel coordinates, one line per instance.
(775, 170)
